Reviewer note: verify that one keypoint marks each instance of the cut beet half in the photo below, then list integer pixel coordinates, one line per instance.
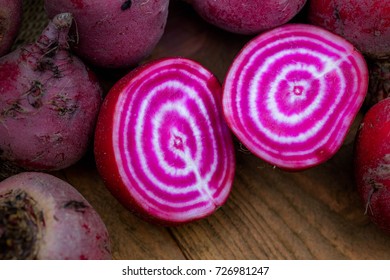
(162, 145)
(292, 94)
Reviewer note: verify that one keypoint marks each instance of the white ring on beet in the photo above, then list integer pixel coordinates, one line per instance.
(292, 93)
(172, 147)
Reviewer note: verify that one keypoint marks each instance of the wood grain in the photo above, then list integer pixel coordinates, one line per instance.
(131, 237)
(271, 214)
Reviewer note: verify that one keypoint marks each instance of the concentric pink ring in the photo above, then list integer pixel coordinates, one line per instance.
(292, 94)
(171, 143)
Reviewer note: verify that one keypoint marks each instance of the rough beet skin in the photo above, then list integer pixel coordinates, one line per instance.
(372, 163)
(247, 17)
(10, 20)
(49, 102)
(114, 34)
(366, 24)
(43, 217)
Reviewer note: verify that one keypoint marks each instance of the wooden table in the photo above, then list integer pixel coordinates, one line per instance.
(271, 214)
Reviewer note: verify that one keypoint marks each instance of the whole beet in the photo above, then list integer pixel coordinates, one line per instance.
(49, 103)
(114, 34)
(247, 17)
(10, 20)
(366, 24)
(372, 163)
(44, 217)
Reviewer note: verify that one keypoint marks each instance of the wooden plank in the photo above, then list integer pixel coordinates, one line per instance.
(271, 214)
(274, 214)
(131, 238)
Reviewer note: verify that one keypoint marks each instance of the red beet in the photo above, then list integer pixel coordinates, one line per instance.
(43, 217)
(49, 102)
(365, 23)
(372, 163)
(161, 144)
(247, 17)
(114, 34)
(292, 93)
(10, 20)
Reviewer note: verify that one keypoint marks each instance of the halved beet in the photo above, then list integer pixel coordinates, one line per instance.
(292, 93)
(162, 146)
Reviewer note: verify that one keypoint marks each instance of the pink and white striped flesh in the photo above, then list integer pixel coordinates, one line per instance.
(292, 94)
(162, 145)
